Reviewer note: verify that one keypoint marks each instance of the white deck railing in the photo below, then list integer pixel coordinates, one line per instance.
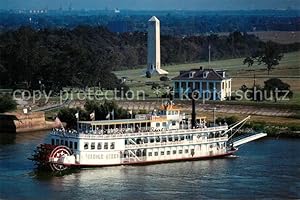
(74, 134)
(184, 142)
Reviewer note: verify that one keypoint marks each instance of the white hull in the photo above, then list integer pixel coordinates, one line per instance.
(163, 136)
(189, 144)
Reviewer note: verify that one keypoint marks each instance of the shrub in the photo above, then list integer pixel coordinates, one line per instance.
(7, 103)
(163, 78)
(229, 120)
(148, 74)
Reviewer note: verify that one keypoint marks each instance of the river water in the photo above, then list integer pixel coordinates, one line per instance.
(267, 168)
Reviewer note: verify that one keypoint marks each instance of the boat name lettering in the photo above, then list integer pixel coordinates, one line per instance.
(101, 156)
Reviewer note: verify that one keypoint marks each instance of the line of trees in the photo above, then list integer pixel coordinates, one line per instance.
(172, 22)
(274, 89)
(86, 56)
(100, 110)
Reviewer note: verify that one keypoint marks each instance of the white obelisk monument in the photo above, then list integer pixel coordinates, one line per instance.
(153, 59)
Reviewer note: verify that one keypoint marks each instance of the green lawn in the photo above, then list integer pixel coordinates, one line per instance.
(288, 70)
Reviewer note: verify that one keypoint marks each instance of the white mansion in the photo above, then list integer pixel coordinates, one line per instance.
(209, 83)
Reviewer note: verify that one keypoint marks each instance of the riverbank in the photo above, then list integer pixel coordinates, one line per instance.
(17, 122)
(274, 126)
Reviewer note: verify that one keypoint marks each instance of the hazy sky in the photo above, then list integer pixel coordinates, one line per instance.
(152, 4)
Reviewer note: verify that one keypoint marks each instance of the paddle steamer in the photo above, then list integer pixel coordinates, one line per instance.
(164, 135)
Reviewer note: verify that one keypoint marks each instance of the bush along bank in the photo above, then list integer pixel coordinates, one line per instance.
(292, 131)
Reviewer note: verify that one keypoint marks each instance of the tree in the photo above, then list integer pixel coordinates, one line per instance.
(269, 56)
(277, 88)
(148, 74)
(103, 109)
(248, 60)
(68, 115)
(7, 103)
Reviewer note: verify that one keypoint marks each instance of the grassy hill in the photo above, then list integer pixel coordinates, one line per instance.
(288, 70)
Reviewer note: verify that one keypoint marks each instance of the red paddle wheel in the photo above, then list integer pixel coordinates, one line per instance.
(47, 157)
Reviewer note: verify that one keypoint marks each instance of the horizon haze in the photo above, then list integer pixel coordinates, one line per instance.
(152, 4)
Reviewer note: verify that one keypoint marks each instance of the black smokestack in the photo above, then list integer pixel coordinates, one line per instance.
(193, 110)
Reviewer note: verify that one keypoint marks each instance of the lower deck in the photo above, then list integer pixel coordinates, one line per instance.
(148, 162)
(131, 154)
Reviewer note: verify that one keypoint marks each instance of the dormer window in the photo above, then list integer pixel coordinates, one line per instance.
(191, 74)
(205, 74)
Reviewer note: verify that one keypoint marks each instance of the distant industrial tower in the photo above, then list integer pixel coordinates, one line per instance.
(153, 59)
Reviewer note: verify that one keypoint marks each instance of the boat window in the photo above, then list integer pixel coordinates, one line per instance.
(66, 143)
(182, 137)
(170, 139)
(150, 154)
(138, 141)
(93, 145)
(162, 153)
(99, 146)
(156, 153)
(151, 140)
(61, 142)
(174, 151)
(105, 145)
(52, 141)
(86, 145)
(164, 124)
(180, 152)
(168, 152)
(71, 144)
(158, 124)
(158, 139)
(75, 145)
(173, 123)
(164, 139)
(112, 145)
(57, 141)
(145, 140)
(186, 151)
(176, 138)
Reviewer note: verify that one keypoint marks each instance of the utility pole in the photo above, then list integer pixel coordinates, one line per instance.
(214, 116)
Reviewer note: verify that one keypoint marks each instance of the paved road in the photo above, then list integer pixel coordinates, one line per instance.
(249, 110)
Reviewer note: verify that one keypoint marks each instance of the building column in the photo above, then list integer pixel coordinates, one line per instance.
(229, 89)
(200, 89)
(179, 90)
(187, 84)
(207, 89)
(214, 91)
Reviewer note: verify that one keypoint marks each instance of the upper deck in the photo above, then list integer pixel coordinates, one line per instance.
(168, 120)
(132, 134)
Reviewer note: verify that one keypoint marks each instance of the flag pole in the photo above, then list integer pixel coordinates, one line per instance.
(77, 121)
